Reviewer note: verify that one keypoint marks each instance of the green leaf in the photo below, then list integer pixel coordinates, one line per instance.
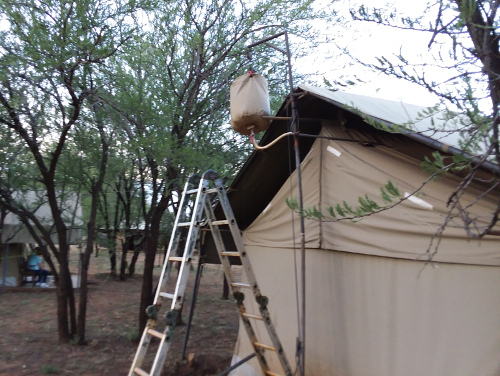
(392, 189)
(384, 195)
(347, 208)
(331, 212)
(340, 211)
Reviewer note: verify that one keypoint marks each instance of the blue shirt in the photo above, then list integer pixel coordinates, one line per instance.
(33, 262)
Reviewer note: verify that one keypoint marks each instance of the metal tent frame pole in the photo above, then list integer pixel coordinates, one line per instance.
(192, 306)
(5, 255)
(295, 130)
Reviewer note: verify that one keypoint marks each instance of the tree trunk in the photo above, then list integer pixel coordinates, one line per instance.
(112, 260)
(123, 266)
(91, 234)
(131, 268)
(225, 289)
(65, 301)
(149, 262)
(82, 304)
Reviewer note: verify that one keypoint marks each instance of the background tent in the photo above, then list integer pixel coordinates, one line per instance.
(17, 236)
(10, 259)
(376, 305)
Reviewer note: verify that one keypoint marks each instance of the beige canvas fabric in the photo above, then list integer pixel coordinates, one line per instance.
(375, 306)
(14, 231)
(335, 171)
(249, 98)
(378, 316)
(11, 265)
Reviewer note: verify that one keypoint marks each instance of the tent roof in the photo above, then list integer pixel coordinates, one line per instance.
(437, 130)
(265, 172)
(390, 111)
(15, 232)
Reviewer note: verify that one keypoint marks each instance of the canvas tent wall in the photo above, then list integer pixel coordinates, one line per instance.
(10, 259)
(375, 306)
(15, 234)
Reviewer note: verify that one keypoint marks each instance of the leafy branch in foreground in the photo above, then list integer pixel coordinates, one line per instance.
(438, 165)
(366, 206)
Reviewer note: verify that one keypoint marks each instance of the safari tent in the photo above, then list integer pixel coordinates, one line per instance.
(381, 299)
(10, 260)
(16, 238)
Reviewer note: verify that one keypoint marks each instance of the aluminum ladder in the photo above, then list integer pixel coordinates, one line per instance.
(201, 214)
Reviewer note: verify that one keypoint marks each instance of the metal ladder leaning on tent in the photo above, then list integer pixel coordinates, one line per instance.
(201, 212)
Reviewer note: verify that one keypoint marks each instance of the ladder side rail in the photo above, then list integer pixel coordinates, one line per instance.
(147, 337)
(219, 244)
(167, 265)
(245, 261)
(173, 244)
(180, 287)
(238, 241)
(160, 357)
(141, 352)
(192, 237)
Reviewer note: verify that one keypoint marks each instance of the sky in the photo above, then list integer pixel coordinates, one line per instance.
(367, 41)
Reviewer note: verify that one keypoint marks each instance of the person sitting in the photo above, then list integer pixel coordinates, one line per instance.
(35, 263)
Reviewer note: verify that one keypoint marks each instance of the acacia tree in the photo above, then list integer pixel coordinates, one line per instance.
(178, 75)
(461, 67)
(88, 165)
(48, 55)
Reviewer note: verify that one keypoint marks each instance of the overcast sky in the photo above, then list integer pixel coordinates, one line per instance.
(367, 41)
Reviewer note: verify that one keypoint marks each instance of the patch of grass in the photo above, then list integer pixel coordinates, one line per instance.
(132, 335)
(208, 299)
(49, 369)
(75, 340)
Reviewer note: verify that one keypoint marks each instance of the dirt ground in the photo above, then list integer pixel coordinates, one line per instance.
(29, 344)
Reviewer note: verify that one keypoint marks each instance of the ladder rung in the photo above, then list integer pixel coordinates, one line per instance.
(175, 258)
(167, 295)
(191, 191)
(238, 284)
(233, 254)
(140, 372)
(184, 224)
(251, 316)
(156, 333)
(261, 345)
(212, 190)
(220, 223)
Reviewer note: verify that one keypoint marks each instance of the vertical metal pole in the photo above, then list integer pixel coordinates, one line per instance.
(295, 130)
(5, 260)
(80, 257)
(191, 308)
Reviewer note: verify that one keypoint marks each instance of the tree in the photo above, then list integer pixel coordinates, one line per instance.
(178, 76)
(80, 84)
(94, 144)
(462, 68)
(50, 56)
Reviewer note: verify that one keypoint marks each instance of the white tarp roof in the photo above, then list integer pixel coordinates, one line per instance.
(15, 232)
(410, 115)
